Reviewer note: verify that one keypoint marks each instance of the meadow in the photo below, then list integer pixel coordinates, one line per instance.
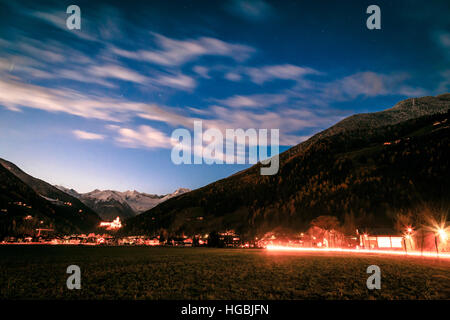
(39, 272)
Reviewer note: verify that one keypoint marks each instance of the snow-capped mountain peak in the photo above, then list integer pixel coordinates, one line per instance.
(111, 203)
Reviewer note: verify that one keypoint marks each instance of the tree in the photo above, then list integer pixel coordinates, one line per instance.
(213, 239)
(327, 223)
(403, 221)
(349, 225)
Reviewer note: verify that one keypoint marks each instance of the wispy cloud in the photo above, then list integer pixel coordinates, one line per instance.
(117, 72)
(177, 81)
(283, 72)
(442, 39)
(17, 95)
(444, 84)
(248, 111)
(268, 73)
(52, 76)
(58, 20)
(56, 61)
(143, 137)
(202, 71)
(233, 76)
(173, 52)
(84, 135)
(255, 10)
(369, 84)
(253, 101)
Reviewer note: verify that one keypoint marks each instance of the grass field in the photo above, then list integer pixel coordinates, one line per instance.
(39, 272)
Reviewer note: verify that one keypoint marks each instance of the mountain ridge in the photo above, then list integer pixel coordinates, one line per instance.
(399, 112)
(111, 203)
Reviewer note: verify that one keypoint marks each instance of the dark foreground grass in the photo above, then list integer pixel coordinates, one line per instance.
(39, 272)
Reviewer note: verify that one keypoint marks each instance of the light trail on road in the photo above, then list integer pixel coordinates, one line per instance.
(359, 251)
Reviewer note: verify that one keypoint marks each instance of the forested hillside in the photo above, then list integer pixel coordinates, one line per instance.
(363, 175)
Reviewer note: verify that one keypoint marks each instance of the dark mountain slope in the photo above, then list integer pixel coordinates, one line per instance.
(66, 211)
(402, 111)
(110, 208)
(349, 173)
(18, 200)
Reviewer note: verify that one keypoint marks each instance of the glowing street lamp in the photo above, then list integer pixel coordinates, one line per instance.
(440, 231)
(407, 236)
(442, 234)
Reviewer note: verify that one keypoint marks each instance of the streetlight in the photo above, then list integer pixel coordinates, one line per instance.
(442, 234)
(440, 231)
(407, 236)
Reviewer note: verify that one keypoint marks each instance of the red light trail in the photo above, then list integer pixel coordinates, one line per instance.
(356, 251)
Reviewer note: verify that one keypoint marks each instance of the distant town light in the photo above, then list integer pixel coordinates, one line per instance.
(114, 225)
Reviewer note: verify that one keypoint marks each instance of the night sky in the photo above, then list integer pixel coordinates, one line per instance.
(95, 108)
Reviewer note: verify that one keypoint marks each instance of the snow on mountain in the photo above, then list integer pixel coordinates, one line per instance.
(71, 192)
(110, 204)
(177, 192)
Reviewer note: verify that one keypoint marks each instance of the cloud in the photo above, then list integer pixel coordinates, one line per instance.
(79, 75)
(32, 59)
(283, 72)
(171, 116)
(174, 52)
(369, 84)
(268, 73)
(232, 76)
(16, 94)
(254, 10)
(58, 20)
(249, 111)
(144, 136)
(202, 71)
(40, 53)
(442, 39)
(117, 72)
(253, 101)
(444, 84)
(51, 60)
(84, 135)
(293, 113)
(28, 61)
(288, 120)
(177, 81)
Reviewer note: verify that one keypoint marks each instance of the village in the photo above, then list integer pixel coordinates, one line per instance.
(422, 239)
